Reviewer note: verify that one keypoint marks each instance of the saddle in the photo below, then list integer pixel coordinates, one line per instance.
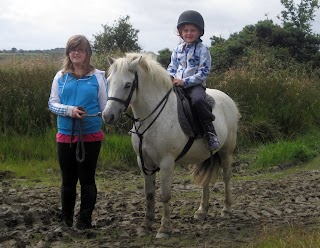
(187, 118)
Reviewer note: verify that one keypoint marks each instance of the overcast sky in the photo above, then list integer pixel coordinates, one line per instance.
(47, 24)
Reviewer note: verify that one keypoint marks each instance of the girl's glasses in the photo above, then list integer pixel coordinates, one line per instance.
(77, 51)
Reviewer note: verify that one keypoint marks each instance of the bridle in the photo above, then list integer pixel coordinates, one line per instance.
(126, 103)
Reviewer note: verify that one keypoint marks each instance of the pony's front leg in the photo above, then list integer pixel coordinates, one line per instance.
(165, 196)
(149, 189)
(202, 211)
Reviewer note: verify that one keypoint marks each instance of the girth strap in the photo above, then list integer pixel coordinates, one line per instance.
(186, 148)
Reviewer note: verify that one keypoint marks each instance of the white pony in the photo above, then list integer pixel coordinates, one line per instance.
(137, 80)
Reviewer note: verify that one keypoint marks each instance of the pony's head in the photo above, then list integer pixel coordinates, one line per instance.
(145, 64)
(127, 76)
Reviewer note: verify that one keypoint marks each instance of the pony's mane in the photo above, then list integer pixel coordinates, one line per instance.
(152, 69)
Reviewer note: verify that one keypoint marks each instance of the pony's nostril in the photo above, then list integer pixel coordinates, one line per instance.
(111, 118)
(108, 118)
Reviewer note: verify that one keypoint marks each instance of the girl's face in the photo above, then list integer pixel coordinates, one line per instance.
(190, 33)
(78, 56)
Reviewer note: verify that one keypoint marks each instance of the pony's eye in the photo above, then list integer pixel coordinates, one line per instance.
(127, 85)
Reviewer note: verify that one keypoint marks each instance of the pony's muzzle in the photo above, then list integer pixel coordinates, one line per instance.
(108, 119)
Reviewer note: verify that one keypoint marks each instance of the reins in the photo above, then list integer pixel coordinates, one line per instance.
(80, 149)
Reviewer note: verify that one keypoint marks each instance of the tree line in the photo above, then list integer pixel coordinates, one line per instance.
(291, 42)
(14, 50)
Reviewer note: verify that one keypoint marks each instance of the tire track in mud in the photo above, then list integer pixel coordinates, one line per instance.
(31, 217)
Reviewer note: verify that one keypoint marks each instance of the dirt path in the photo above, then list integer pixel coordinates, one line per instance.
(30, 217)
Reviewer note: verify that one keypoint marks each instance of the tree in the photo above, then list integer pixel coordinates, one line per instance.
(284, 43)
(299, 16)
(215, 40)
(121, 36)
(164, 57)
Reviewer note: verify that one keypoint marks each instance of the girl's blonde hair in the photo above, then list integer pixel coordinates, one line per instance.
(77, 42)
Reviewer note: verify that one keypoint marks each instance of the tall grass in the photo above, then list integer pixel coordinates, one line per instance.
(30, 157)
(35, 157)
(283, 153)
(287, 237)
(287, 153)
(24, 147)
(117, 152)
(276, 100)
(27, 128)
(25, 88)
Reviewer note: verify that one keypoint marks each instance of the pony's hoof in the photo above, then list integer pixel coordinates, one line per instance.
(162, 235)
(141, 231)
(200, 216)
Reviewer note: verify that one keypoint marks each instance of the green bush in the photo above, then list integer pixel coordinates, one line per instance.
(276, 100)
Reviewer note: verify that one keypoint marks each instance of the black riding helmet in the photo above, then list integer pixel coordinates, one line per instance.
(191, 17)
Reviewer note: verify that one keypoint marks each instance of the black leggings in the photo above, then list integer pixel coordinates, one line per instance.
(203, 109)
(72, 170)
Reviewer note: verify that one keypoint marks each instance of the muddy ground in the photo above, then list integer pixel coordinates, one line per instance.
(30, 217)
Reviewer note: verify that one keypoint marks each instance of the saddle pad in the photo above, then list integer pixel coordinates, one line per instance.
(185, 115)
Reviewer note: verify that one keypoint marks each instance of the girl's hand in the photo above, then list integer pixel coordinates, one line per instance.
(77, 112)
(177, 82)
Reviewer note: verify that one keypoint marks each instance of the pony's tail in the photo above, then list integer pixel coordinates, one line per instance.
(207, 171)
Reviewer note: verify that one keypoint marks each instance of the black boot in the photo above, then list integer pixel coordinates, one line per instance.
(68, 200)
(88, 201)
(210, 132)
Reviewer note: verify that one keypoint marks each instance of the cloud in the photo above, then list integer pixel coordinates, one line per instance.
(38, 24)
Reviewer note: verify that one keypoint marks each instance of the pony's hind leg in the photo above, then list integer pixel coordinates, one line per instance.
(202, 211)
(226, 161)
(203, 174)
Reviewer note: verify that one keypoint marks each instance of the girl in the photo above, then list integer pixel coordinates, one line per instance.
(78, 90)
(190, 67)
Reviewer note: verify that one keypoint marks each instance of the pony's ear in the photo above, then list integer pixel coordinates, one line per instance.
(134, 64)
(110, 60)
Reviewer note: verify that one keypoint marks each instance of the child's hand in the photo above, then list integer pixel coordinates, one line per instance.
(177, 82)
